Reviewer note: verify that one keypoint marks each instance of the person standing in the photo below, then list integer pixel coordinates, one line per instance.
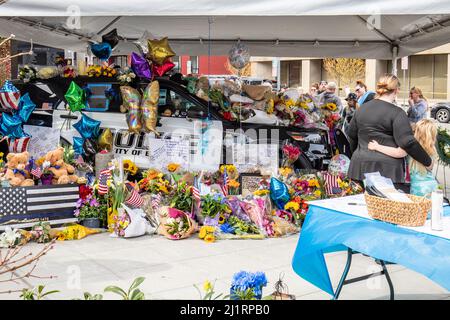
(314, 88)
(382, 121)
(349, 111)
(418, 105)
(363, 94)
(322, 87)
(329, 96)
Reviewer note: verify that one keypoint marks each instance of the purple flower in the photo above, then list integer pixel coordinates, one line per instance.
(76, 213)
(94, 203)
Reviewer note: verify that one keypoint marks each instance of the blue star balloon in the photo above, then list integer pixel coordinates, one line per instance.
(26, 107)
(101, 50)
(78, 145)
(12, 126)
(88, 127)
(279, 193)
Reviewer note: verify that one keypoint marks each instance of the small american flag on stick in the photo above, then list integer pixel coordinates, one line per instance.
(134, 200)
(105, 174)
(36, 171)
(196, 193)
(224, 186)
(156, 200)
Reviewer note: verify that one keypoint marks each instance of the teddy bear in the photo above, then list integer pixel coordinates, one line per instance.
(62, 172)
(15, 170)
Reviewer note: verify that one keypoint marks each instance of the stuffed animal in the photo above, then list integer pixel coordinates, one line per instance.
(62, 172)
(15, 172)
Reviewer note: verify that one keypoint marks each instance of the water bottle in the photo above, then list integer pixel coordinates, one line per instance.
(437, 199)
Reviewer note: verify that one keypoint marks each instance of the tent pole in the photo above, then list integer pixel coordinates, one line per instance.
(394, 60)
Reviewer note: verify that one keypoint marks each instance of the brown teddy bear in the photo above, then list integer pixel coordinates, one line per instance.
(15, 172)
(62, 172)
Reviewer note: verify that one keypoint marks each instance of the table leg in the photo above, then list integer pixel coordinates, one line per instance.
(389, 281)
(344, 274)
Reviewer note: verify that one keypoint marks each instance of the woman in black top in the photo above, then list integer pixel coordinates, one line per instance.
(384, 122)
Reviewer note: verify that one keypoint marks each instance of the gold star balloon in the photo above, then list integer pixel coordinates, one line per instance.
(159, 50)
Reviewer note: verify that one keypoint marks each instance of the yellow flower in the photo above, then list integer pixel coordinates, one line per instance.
(1, 154)
(210, 238)
(285, 171)
(130, 166)
(221, 219)
(163, 188)
(207, 286)
(270, 106)
(172, 167)
(330, 106)
(202, 232)
(317, 193)
(261, 192)
(233, 183)
(210, 229)
(313, 183)
(292, 205)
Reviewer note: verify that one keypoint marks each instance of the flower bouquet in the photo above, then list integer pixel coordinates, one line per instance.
(247, 286)
(126, 76)
(290, 154)
(27, 73)
(214, 209)
(154, 182)
(175, 224)
(101, 71)
(298, 207)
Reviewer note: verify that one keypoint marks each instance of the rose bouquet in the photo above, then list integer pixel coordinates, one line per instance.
(290, 154)
(175, 224)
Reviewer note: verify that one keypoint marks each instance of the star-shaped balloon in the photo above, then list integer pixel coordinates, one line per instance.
(159, 50)
(12, 126)
(78, 145)
(140, 66)
(279, 192)
(88, 127)
(26, 107)
(75, 97)
(141, 43)
(112, 38)
(9, 96)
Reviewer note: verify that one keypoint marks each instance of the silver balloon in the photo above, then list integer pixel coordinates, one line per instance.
(239, 55)
(141, 43)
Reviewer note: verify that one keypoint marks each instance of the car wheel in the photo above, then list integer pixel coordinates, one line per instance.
(443, 115)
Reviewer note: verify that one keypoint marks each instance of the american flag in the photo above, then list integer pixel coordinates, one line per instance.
(134, 200)
(105, 174)
(224, 186)
(36, 171)
(331, 183)
(196, 193)
(156, 200)
(9, 96)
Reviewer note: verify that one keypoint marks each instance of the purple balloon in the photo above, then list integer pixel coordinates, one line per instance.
(140, 66)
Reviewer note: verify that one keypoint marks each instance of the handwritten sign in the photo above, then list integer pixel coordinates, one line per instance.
(43, 139)
(164, 151)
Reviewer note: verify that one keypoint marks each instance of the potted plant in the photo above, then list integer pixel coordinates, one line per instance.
(90, 211)
(47, 175)
(212, 207)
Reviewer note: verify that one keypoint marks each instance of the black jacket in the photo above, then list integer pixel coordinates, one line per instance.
(388, 125)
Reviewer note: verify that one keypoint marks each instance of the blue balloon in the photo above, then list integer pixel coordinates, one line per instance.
(78, 145)
(12, 126)
(88, 127)
(26, 107)
(101, 50)
(279, 193)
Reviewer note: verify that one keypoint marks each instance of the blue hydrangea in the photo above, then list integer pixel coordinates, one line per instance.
(226, 228)
(243, 280)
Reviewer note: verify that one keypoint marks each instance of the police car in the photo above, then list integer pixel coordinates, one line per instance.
(260, 135)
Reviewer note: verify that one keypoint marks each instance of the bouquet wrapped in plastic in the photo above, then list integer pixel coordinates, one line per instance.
(175, 224)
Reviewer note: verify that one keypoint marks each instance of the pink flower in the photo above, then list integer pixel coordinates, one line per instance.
(175, 213)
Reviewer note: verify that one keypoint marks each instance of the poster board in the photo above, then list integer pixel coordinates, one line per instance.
(248, 157)
(43, 139)
(165, 151)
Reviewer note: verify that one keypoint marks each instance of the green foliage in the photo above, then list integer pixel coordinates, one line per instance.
(182, 198)
(241, 227)
(247, 294)
(211, 206)
(133, 292)
(37, 293)
(208, 287)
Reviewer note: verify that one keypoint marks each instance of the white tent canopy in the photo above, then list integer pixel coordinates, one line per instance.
(377, 29)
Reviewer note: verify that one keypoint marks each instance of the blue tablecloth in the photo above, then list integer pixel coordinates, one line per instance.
(326, 230)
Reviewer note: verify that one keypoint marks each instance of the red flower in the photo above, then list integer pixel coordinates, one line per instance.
(84, 191)
(227, 116)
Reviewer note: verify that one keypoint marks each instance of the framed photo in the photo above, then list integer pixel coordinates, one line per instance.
(249, 183)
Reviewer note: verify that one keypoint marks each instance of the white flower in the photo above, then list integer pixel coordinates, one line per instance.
(128, 79)
(170, 220)
(9, 238)
(46, 164)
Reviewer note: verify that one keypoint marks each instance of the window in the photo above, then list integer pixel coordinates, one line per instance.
(172, 104)
(194, 64)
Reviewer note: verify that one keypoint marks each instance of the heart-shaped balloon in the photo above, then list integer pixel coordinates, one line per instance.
(112, 38)
(140, 66)
(279, 193)
(159, 50)
(9, 96)
(26, 107)
(163, 69)
(101, 50)
(88, 127)
(75, 97)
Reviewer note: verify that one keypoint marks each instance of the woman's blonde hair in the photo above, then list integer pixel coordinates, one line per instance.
(418, 91)
(387, 84)
(425, 132)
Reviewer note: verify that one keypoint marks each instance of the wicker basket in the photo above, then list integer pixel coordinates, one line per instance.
(405, 214)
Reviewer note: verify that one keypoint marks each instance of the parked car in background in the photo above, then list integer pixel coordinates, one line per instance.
(441, 112)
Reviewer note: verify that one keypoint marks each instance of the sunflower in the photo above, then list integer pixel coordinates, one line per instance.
(172, 167)
(209, 238)
(202, 233)
(130, 166)
(221, 219)
(330, 106)
(292, 205)
(261, 192)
